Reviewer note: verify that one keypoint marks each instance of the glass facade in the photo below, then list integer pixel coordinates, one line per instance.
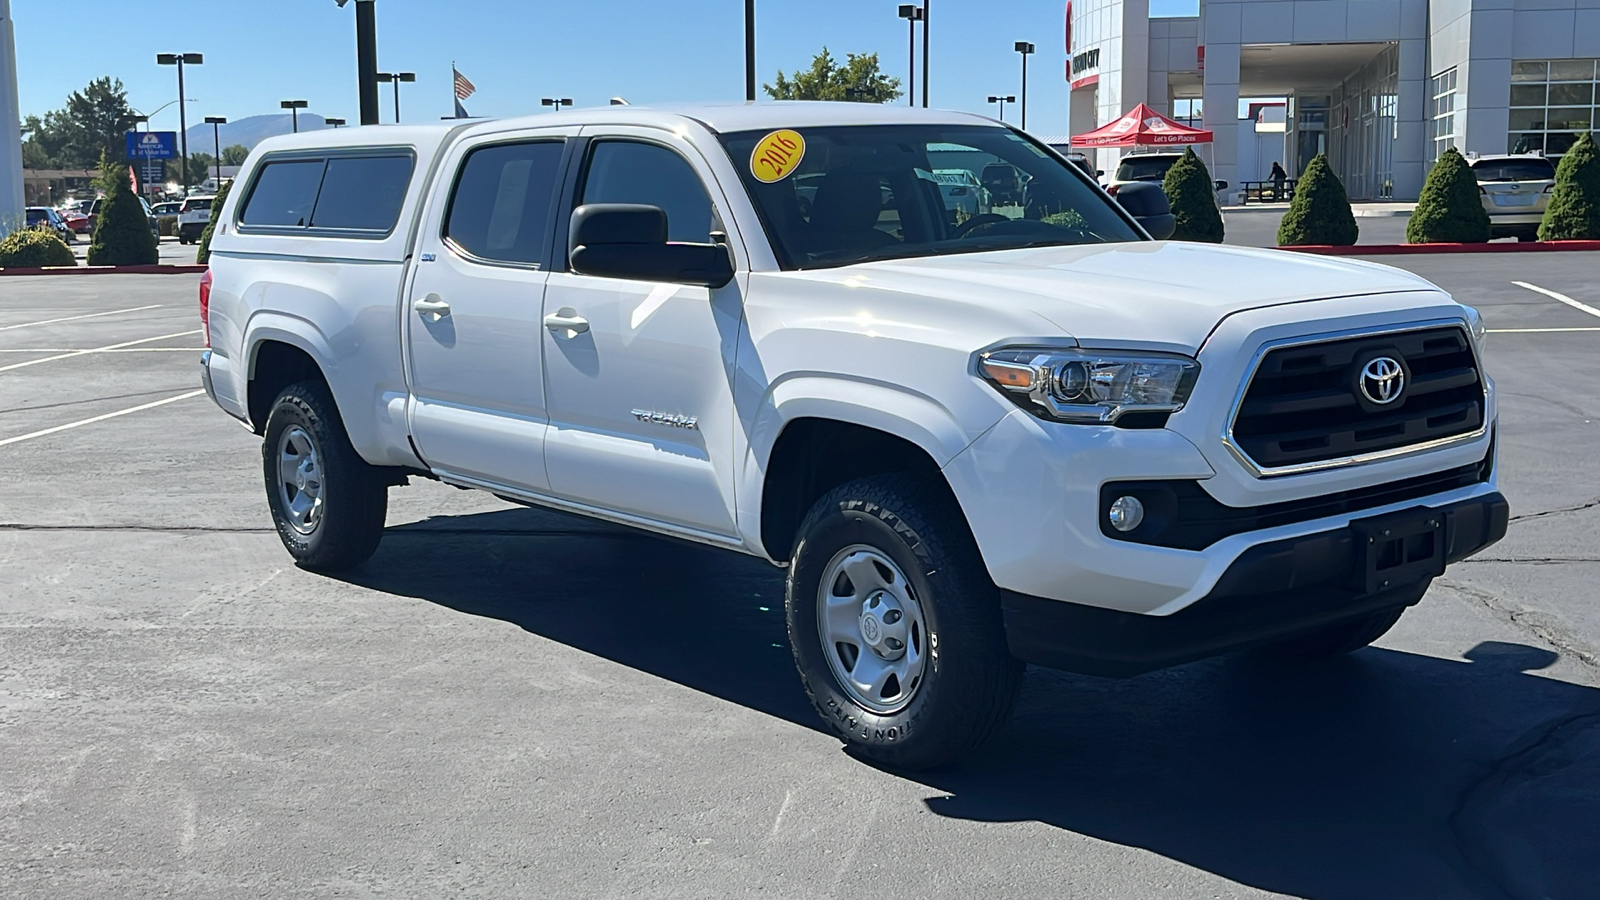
(1552, 104)
(1442, 112)
(1368, 125)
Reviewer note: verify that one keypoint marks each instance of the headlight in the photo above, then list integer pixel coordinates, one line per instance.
(1090, 386)
(1475, 324)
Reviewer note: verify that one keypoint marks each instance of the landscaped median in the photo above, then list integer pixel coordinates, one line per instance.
(106, 270)
(1414, 249)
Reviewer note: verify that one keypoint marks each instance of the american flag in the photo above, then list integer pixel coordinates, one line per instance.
(464, 88)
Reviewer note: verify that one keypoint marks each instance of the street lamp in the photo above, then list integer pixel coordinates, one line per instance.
(397, 78)
(750, 51)
(912, 14)
(333, 123)
(216, 123)
(366, 58)
(180, 60)
(556, 102)
(925, 16)
(294, 107)
(1026, 49)
(1002, 101)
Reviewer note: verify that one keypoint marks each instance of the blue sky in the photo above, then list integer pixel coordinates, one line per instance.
(517, 51)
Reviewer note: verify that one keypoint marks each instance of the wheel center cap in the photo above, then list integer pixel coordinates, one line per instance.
(870, 629)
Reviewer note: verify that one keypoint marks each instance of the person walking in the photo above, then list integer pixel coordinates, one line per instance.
(1279, 176)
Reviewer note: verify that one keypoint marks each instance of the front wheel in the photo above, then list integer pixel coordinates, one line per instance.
(327, 502)
(895, 626)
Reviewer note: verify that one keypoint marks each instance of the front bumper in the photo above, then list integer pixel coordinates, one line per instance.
(1270, 592)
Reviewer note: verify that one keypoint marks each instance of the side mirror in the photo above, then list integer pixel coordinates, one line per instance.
(1222, 185)
(1148, 205)
(629, 240)
(1099, 173)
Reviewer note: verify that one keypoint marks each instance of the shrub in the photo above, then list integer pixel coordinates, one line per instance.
(1574, 210)
(34, 248)
(1193, 197)
(202, 256)
(1320, 211)
(1450, 210)
(122, 232)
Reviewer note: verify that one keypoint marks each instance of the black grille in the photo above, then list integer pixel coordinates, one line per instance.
(1303, 404)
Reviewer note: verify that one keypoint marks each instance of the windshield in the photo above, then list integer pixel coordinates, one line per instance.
(1144, 168)
(194, 205)
(849, 194)
(1514, 170)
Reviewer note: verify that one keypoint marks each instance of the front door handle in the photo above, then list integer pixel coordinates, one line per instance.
(566, 320)
(431, 307)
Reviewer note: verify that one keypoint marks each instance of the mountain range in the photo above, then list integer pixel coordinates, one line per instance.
(250, 131)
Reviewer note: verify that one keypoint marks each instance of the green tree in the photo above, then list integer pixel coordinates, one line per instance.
(1193, 197)
(858, 80)
(91, 125)
(1450, 209)
(202, 256)
(201, 167)
(1320, 211)
(235, 154)
(121, 231)
(1574, 210)
(34, 248)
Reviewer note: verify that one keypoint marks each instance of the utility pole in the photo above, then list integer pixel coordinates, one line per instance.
(912, 14)
(1002, 101)
(179, 59)
(366, 59)
(750, 50)
(1026, 49)
(925, 5)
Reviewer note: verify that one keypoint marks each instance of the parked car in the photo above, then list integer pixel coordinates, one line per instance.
(192, 218)
(1082, 161)
(167, 208)
(1136, 168)
(77, 216)
(1516, 189)
(1005, 183)
(94, 216)
(970, 444)
(962, 191)
(47, 218)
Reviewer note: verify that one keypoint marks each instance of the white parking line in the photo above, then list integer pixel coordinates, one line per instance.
(101, 418)
(34, 362)
(75, 318)
(124, 350)
(1561, 297)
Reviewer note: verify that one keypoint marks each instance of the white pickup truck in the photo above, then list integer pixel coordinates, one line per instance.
(1037, 435)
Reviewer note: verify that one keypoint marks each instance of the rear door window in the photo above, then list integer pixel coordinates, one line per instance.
(503, 200)
(363, 193)
(284, 193)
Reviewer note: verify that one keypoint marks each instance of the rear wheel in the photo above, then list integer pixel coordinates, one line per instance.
(328, 504)
(895, 626)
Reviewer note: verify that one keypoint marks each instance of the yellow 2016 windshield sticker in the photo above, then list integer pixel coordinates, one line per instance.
(777, 156)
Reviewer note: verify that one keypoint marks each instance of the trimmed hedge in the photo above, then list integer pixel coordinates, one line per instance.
(1320, 212)
(1574, 210)
(202, 256)
(1450, 209)
(1193, 197)
(34, 248)
(122, 231)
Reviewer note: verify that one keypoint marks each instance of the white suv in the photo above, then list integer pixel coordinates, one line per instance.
(1516, 189)
(193, 216)
(971, 442)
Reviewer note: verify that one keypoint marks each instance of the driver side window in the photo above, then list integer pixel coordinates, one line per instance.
(636, 172)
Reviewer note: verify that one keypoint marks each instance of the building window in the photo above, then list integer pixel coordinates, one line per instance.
(1552, 104)
(1442, 110)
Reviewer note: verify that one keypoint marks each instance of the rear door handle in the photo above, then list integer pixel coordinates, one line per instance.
(566, 320)
(431, 307)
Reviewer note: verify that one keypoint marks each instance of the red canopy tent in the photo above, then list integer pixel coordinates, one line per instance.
(1142, 127)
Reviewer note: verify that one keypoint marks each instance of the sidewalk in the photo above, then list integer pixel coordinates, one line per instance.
(1375, 209)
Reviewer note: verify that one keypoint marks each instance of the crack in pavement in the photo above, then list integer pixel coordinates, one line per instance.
(1542, 626)
(1557, 512)
(1532, 560)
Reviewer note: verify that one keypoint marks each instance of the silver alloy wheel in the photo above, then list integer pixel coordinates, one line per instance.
(300, 479)
(872, 629)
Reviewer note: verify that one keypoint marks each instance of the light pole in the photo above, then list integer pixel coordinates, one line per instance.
(333, 123)
(1002, 101)
(216, 123)
(750, 51)
(556, 102)
(294, 107)
(912, 14)
(925, 14)
(180, 60)
(1026, 49)
(396, 78)
(366, 58)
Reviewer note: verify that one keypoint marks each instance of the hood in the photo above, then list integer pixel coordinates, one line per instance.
(1151, 294)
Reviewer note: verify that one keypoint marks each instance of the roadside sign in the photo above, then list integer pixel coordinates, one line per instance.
(152, 144)
(152, 172)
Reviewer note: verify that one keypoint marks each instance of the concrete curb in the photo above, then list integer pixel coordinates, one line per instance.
(1417, 249)
(108, 270)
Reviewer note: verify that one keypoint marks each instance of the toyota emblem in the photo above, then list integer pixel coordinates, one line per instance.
(1382, 380)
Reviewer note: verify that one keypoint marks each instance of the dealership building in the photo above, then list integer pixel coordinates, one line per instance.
(1382, 86)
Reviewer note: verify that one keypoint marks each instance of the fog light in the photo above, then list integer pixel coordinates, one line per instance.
(1126, 513)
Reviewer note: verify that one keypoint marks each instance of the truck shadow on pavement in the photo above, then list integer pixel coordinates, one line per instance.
(1384, 774)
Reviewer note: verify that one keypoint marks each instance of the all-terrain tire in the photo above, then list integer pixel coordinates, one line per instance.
(969, 680)
(354, 495)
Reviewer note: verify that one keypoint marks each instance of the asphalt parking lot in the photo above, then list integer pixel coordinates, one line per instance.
(508, 702)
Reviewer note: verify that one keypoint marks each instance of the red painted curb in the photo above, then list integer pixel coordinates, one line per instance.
(1413, 249)
(108, 270)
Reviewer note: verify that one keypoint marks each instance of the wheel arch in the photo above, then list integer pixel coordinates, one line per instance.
(279, 355)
